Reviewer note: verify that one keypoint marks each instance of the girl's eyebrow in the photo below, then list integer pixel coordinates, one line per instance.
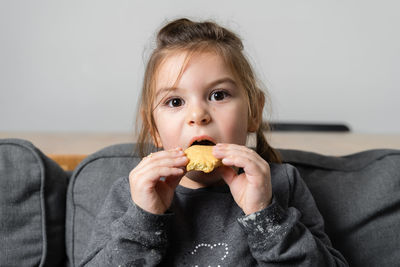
(223, 80)
(211, 84)
(165, 90)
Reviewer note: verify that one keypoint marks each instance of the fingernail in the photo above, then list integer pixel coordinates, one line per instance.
(219, 147)
(226, 161)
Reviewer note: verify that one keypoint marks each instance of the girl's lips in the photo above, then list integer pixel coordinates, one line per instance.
(202, 138)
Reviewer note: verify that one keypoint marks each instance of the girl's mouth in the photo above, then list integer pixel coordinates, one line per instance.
(203, 143)
(202, 140)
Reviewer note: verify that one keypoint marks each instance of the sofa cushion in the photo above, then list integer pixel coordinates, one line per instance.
(88, 187)
(359, 197)
(32, 206)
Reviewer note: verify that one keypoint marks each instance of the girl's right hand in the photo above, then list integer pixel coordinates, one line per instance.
(155, 178)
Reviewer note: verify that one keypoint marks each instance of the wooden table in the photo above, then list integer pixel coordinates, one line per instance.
(68, 149)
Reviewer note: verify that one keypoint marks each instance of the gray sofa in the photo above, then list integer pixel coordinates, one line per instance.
(46, 213)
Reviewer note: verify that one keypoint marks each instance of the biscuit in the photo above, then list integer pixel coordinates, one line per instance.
(201, 159)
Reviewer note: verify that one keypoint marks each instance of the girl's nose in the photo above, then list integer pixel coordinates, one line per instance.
(198, 116)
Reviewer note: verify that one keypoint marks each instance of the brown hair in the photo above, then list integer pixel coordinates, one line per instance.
(184, 35)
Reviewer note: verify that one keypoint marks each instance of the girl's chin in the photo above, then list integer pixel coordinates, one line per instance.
(199, 179)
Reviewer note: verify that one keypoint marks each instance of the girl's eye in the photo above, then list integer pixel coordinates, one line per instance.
(174, 102)
(218, 95)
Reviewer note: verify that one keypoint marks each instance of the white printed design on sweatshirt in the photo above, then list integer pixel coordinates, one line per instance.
(211, 251)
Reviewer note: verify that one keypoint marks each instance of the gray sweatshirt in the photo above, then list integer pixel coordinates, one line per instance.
(205, 227)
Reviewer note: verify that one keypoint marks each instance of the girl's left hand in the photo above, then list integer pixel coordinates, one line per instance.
(251, 189)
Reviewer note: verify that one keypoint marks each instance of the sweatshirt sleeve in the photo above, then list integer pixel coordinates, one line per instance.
(292, 235)
(126, 235)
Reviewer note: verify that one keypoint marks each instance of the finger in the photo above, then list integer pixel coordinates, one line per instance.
(158, 164)
(171, 158)
(250, 154)
(222, 150)
(227, 173)
(240, 156)
(250, 167)
(179, 161)
(174, 180)
(148, 179)
(177, 152)
(153, 157)
(148, 176)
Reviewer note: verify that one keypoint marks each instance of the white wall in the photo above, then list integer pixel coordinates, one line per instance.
(77, 65)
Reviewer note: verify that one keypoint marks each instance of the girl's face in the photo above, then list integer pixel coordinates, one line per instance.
(205, 103)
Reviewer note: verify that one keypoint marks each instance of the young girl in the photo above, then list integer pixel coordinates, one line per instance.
(199, 88)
